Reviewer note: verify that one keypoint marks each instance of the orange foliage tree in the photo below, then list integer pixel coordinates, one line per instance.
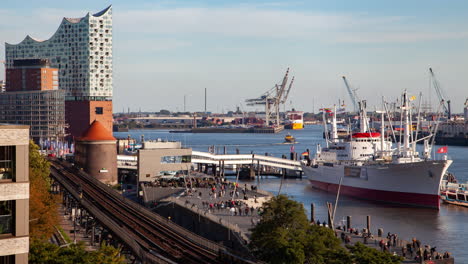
(43, 211)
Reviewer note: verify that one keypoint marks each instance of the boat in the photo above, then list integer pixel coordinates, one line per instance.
(367, 165)
(289, 138)
(454, 193)
(294, 120)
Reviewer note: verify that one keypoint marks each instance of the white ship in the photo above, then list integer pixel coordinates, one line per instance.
(367, 166)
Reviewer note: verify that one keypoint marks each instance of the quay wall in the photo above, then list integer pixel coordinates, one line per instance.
(204, 224)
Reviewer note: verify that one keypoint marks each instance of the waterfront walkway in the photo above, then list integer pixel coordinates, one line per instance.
(396, 246)
(236, 208)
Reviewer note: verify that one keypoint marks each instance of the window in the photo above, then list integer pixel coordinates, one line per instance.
(7, 259)
(7, 162)
(176, 159)
(99, 111)
(6, 217)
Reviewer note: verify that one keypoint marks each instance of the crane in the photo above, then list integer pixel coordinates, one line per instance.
(441, 94)
(352, 94)
(285, 97)
(272, 99)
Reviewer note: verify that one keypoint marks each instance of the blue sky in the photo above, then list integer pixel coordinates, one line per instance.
(164, 50)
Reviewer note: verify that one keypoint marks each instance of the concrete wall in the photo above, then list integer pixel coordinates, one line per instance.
(162, 145)
(149, 162)
(17, 190)
(201, 225)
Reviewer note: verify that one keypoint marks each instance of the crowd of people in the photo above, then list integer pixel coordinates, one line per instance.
(412, 250)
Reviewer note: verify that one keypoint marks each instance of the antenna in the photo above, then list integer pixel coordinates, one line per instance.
(205, 100)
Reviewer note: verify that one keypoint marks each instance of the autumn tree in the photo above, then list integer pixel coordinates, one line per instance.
(43, 213)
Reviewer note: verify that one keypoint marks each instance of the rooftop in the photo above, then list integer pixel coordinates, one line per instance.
(96, 132)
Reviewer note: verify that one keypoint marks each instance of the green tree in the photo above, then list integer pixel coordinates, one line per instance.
(42, 252)
(284, 235)
(366, 255)
(279, 237)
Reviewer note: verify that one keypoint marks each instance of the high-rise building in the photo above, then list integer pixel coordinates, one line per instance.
(81, 50)
(32, 98)
(14, 194)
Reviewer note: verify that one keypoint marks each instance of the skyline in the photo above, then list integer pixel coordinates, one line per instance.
(238, 51)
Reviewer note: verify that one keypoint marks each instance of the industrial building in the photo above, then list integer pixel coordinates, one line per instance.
(32, 98)
(81, 50)
(14, 194)
(159, 158)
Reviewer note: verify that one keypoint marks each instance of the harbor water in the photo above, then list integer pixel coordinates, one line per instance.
(445, 228)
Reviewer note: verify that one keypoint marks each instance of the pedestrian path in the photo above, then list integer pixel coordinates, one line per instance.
(66, 222)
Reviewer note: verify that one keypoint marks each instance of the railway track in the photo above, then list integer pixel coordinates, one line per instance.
(162, 240)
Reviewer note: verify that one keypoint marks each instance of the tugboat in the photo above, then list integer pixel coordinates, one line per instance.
(289, 138)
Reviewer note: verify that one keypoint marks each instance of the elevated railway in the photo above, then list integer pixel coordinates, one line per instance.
(151, 238)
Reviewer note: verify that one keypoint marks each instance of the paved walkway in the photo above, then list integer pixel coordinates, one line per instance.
(66, 223)
(201, 198)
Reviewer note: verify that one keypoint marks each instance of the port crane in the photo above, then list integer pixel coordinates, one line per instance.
(352, 94)
(441, 94)
(272, 99)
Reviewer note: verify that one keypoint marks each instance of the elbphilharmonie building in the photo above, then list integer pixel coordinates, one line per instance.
(81, 50)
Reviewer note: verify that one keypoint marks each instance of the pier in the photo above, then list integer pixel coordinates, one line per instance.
(219, 163)
(413, 252)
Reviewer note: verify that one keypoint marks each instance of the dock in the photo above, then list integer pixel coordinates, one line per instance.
(256, 130)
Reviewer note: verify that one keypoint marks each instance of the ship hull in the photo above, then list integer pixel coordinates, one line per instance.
(415, 184)
(294, 126)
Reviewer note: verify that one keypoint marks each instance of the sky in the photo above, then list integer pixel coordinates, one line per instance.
(167, 50)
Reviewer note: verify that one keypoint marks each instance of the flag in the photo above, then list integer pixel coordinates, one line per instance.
(442, 149)
(305, 153)
(292, 149)
(412, 98)
(326, 110)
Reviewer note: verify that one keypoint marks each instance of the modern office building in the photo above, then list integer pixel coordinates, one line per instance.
(14, 194)
(160, 158)
(81, 50)
(32, 98)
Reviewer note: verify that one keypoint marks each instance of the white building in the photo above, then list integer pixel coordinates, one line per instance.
(81, 49)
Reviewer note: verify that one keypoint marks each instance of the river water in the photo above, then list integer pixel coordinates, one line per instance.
(445, 228)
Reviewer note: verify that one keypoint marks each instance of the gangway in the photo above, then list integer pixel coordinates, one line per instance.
(199, 157)
(245, 159)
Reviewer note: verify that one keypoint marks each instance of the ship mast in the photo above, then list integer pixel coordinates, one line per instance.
(405, 108)
(363, 117)
(334, 132)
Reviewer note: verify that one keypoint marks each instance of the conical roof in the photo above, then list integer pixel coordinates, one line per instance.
(96, 132)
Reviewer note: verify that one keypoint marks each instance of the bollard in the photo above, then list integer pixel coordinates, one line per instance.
(368, 223)
(380, 232)
(312, 213)
(348, 222)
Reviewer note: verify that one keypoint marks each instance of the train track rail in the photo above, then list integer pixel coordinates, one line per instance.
(156, 238)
